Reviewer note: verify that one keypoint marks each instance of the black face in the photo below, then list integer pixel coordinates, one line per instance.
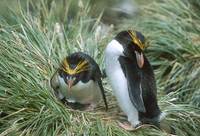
(72, 80)
(74, 69)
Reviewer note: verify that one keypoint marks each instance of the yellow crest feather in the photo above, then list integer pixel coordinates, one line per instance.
(81, 66)
(135, 39)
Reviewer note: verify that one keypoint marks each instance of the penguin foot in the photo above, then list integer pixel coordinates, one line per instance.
(127, 126)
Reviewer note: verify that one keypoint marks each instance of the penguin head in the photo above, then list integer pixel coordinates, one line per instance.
(73, 69)
(131, 41)
(132, 44)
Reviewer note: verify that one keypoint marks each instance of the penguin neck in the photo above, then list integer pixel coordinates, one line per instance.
(112, 53)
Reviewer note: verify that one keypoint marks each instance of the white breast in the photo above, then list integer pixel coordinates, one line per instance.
(85, 93)
(118, 80)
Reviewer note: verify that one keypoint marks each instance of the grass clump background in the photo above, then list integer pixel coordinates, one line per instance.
(35, 39)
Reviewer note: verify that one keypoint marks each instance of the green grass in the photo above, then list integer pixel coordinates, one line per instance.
(33, 43)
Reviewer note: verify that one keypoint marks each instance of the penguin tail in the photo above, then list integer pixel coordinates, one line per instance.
(162, 116)
(165, 125)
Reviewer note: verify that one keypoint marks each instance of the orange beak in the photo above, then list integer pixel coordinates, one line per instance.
(70, 83)
(140, 59)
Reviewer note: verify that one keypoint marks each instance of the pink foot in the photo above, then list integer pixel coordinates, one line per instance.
(127, 126)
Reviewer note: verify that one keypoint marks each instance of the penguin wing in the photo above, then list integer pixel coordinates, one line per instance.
(97, 77)
(133, 77)
(54, 82)
(103, 93)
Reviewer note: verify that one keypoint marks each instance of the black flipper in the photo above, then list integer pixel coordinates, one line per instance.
(133, 77)
(103, 93)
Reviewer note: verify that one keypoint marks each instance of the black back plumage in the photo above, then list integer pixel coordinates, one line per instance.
(149, 91)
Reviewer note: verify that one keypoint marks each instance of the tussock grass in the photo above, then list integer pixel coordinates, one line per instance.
(33, 43)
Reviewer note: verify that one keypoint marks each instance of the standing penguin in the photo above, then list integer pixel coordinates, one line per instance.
(78, 82)
(132, 78)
